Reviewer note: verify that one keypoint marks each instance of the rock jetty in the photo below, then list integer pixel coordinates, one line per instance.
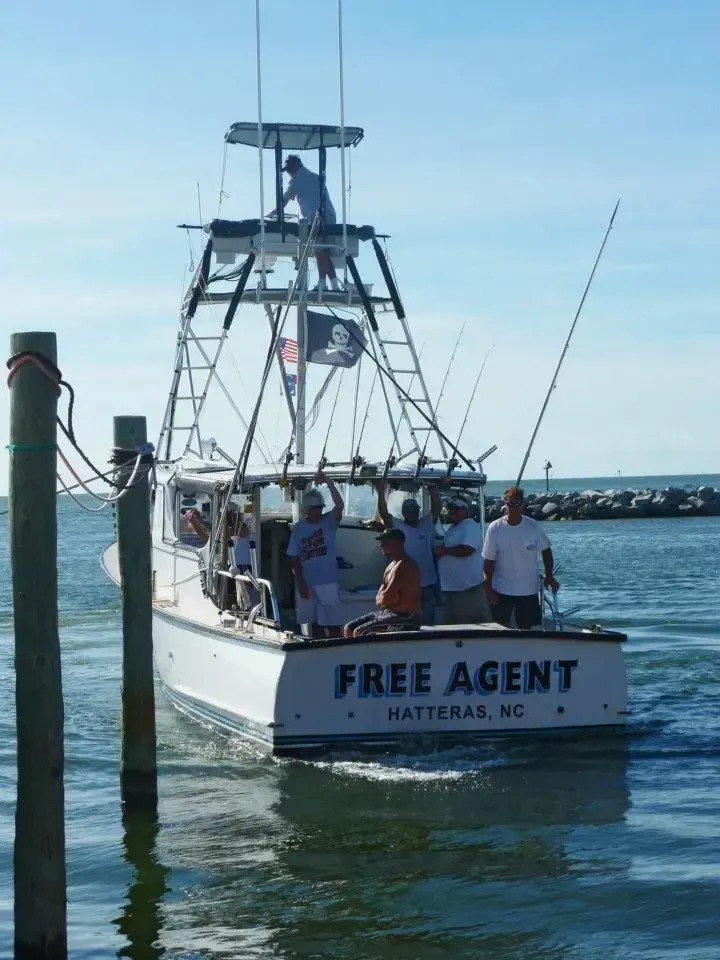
(616, 504)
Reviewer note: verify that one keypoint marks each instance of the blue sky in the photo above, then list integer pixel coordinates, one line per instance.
(498, 137)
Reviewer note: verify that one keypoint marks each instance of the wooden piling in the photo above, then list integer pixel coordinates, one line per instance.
(40, 912)
(138, 769)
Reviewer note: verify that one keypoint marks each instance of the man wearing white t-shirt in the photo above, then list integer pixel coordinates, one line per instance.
(419, 542)
(313, 559)
(460, 565)
(510, 552)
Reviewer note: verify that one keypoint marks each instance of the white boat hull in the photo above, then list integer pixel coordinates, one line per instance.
(290, 695)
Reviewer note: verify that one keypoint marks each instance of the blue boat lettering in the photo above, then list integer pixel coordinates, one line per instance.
(403, 679)
(443, 711)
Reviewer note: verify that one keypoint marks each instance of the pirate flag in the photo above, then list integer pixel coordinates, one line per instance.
(334, 341)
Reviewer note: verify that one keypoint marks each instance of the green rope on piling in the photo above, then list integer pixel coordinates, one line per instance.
(23, 447)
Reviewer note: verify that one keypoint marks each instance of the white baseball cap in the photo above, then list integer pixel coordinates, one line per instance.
(312, 498)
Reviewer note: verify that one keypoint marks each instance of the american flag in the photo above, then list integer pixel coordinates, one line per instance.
(288, 349)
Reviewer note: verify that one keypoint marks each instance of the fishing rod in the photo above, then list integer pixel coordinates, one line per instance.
(323, 459)
(408, 399)
(422, 459)
(391, 458)
(452, 462)
(357, 460)
(553, 382)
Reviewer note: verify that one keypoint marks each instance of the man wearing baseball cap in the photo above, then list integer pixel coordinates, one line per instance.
(398, 598)
(313, 558)
(460, 564)
(419, 542)
(304, 188)
(511, 549)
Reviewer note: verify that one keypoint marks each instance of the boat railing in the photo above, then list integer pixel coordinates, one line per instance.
(548, 601)
(264, 588)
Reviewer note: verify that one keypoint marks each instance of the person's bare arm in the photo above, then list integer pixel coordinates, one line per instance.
(302, 587)
(435, 504)
(382, 505)
(461, 550)
(489, 570)
(389, 593)
(548, 563)
(194, 521)
(338, 502)
(287, 197)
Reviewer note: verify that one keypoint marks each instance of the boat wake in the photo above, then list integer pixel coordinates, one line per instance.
(417, 765)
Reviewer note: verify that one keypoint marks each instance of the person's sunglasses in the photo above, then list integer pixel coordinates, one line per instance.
(514, 503)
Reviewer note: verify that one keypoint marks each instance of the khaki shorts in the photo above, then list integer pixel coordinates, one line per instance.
(315, 608)
(466, 606)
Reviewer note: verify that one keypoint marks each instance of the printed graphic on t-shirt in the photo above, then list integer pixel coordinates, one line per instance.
(313, 546)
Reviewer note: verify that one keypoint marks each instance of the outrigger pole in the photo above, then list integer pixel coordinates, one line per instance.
(322, 463)
(388, 376)
(452, 462)
(357, 460)
(422, 459)
(553, 382)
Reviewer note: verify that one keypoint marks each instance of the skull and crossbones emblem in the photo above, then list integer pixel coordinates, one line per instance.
(340, 341)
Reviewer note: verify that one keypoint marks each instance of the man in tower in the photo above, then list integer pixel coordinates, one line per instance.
(304, 188)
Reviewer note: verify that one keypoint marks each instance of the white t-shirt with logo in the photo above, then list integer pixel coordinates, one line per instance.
(419, 543)
(515, 548)
(314, 545)
(462, 573)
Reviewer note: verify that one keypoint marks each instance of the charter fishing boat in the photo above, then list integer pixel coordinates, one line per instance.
(228, 647)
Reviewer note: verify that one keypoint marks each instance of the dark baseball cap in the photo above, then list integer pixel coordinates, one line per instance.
(392, 534)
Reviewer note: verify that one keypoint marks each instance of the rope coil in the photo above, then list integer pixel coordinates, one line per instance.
(45, 366)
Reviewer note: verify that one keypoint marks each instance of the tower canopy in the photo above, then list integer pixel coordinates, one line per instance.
(293, 136)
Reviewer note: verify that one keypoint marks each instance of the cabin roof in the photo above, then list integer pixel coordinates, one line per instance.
(205, 475)
(293, 136)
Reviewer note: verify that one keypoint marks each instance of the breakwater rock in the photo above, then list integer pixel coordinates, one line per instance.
(616, 504)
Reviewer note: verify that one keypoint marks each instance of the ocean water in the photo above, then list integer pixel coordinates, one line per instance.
(596, 848)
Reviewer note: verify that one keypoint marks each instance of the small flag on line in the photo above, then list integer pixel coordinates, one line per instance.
(288, 349)
(291, 380)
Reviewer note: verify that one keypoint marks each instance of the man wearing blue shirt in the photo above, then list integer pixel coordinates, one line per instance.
(313, 558)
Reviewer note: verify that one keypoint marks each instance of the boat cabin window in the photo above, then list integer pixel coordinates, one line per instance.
(182, 532)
